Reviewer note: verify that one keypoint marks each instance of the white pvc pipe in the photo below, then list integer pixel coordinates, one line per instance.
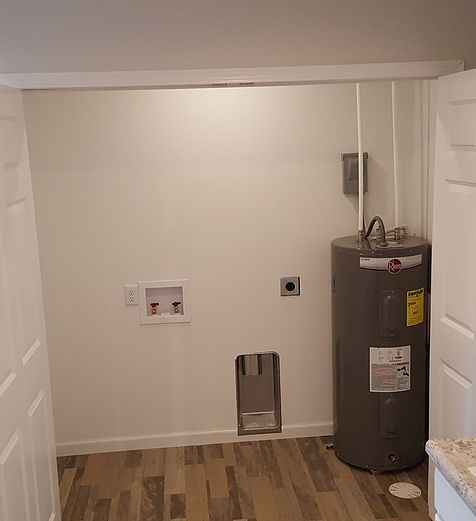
(361, 162)
(395, 163)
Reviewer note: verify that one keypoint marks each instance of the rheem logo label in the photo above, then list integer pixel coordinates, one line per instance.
(394, 266)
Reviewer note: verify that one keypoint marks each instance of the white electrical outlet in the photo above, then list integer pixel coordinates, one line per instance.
(131, 295)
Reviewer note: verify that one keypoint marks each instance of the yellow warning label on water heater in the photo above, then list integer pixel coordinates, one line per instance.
(415, 306)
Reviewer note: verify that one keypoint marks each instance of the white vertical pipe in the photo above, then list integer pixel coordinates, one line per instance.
(361, 162)
(395, 163)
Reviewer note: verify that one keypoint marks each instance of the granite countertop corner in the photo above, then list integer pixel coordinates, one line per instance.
(452, 457)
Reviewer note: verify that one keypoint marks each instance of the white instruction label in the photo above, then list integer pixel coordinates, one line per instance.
(390, 369)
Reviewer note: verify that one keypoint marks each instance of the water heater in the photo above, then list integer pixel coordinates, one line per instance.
(380, 351)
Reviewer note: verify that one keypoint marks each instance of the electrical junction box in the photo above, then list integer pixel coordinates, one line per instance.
(350, 173)
(290, 286)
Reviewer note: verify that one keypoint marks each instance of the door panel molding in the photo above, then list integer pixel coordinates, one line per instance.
(28, 476)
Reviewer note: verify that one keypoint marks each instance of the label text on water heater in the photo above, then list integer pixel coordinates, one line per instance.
(388, 263)
(415, 306)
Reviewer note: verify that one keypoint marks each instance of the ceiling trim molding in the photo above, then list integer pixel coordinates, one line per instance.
(267, 76)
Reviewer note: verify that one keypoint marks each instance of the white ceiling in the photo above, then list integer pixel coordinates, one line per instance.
(108, 35)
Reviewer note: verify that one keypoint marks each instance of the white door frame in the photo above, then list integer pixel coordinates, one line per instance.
(308, 75)
(266, 76)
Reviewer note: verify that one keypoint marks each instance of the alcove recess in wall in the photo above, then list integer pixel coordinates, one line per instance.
(164, 301)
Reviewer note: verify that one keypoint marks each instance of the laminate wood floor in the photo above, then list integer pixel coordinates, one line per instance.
(279, 480)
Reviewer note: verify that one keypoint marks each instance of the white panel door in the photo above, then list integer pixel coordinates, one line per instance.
(28, 479)
(453, 302)
(453, 326)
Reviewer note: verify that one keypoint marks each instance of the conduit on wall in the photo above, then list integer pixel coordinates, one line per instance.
(361, 230)
(395, 163)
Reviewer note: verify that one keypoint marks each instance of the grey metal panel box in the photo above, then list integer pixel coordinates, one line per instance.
(350, 173)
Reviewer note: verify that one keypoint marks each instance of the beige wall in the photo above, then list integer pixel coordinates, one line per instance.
(229, 188)
(89, 35)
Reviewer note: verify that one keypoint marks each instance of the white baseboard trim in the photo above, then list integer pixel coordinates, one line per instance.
(180, 439)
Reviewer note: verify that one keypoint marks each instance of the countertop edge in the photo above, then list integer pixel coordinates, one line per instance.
(455, 472)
